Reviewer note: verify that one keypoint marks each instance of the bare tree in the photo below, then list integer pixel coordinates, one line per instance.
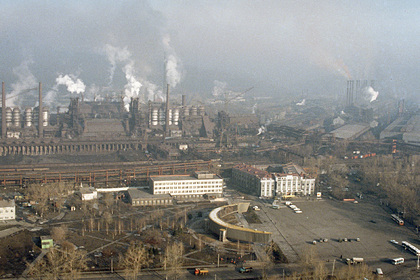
(59, 233)
(108, 220)
(174, 259)
(134, 259)
(66, 263)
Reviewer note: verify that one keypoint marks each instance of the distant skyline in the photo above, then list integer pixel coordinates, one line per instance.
(281, 48)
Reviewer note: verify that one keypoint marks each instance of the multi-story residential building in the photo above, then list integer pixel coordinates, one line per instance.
(7, 210)
(265, 184)
(294, 184)
(186, 186)
(253, 180)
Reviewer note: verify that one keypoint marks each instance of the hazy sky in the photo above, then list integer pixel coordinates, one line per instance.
(281, 47)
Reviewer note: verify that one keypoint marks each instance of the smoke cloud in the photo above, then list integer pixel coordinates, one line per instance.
(172, 63)
(115, 55)
(73, 84)
(301, 103)
(371, 94)
(219, 88)
(21, 94)
(132, 88)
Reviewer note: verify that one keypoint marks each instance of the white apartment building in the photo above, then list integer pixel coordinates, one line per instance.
(187, 186)
(254, 180)
(294, 184)
(7, 210)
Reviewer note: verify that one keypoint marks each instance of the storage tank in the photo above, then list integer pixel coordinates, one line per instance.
(161, 116)
(16, 117)
(175, 117)
(35, 114)
(194, 111)
(201, 110)
(154, 116)
(186, 111)
(28, 117)
(45, 116)
(170, 116)
(9, 117)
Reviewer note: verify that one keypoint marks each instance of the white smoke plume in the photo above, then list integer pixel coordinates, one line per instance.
(25, 83)
(115, 55)
(219, 88)
(301, 103)
(172, 63)
(73, 84)
(92, 92)
(132, 88)
(371, 94)
(153, 92)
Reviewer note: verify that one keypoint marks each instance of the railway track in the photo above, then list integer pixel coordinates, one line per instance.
(93, 173)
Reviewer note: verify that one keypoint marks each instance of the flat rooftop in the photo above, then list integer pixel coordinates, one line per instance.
(180, 177)
(137, 194)
(350, 131)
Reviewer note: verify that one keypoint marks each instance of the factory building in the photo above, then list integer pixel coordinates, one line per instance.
(253, 180)
(406, 128)
(291, 181)
(140, 198)
(91, 127)
(186, 186)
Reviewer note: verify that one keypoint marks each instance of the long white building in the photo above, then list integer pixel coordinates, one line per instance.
(186, 186)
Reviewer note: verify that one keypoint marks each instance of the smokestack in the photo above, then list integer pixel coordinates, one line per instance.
(167, 110)
(350, 92)
(183, 100)
(3, 112)
(40, 127)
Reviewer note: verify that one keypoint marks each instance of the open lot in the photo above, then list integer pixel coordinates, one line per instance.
(335, 220)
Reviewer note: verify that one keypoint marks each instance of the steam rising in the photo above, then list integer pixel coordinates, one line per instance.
(301, 103)
(73, 84)
(172, 63)
(26, 81)
(132, 88)
(219, 88)
(115, 55)
(371, 94)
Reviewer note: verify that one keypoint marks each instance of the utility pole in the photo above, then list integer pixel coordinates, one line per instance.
(332, 273)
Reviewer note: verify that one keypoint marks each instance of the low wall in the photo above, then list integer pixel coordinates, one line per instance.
(216, 224)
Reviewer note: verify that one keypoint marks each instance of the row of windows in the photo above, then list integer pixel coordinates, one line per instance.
(187, 188)
(156, 201)
(7, 218)
(190, 183)
(6, 211)
(187, 191)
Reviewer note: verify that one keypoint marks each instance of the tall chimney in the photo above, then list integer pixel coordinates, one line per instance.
(40, 128)
(183, 100)
(3, 112)
(167, 110)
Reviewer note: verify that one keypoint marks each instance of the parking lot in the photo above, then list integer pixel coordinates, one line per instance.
(335, 220)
